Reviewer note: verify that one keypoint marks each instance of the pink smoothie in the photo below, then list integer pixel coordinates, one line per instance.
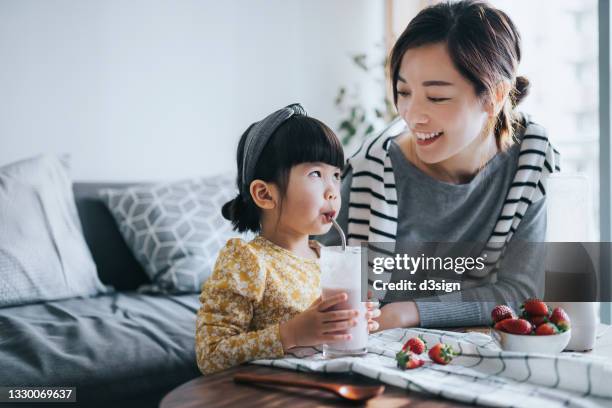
(359, 333)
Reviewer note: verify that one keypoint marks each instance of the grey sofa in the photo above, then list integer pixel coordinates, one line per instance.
(120, 349)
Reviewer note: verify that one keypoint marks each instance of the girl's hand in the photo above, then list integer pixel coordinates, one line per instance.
(398, 314)
(316, 325)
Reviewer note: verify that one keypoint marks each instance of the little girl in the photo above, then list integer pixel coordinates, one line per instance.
(263, 297)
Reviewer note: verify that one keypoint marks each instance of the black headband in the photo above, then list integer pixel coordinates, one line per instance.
(259, 134)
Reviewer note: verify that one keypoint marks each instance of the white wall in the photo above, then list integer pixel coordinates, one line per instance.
(161, 90)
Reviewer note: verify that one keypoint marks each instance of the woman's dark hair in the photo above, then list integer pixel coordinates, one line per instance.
(483, 44)
(299, 139)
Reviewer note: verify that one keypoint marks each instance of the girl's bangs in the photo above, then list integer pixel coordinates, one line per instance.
(303, 139)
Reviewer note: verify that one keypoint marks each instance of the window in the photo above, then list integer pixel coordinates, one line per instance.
(560, 59)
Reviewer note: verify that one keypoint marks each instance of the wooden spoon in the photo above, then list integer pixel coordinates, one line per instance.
(349, 392)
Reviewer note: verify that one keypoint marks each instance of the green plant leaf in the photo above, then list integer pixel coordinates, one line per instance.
(354, 115)
(360, 61)
(340, 96)
(348, 127)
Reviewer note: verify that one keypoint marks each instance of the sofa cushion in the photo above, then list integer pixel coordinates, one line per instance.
(175, 230)
(43, 255)
(114, 260)
(110, 347)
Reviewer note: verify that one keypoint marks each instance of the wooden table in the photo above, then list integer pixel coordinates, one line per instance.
(219, 390)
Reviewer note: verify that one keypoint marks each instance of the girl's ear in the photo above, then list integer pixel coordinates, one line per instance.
(496, 102)
(265, 195)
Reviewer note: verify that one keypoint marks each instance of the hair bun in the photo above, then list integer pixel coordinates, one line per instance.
(521, 90)
(244, 217)
(231, 209)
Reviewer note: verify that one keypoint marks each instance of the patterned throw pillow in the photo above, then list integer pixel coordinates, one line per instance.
(175, 230)
(43, 254)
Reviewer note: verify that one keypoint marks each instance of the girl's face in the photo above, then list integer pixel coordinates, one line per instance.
(439, 105)
(312, 198)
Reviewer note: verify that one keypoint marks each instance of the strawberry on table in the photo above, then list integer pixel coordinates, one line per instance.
(560, 318)
(535, 307)
(442, 353)
(415, 344)
(408, 361)
(546, 329)
(501, 312)
(516, 326)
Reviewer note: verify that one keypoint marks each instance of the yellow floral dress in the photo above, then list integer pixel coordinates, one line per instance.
(254, 287)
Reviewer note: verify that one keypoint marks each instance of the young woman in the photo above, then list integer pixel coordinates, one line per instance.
(459, 165)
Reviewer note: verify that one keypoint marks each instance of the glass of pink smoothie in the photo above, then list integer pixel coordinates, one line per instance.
(341, 272)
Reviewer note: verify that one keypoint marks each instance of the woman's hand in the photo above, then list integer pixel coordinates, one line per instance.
(372, 313)
(316, 325)
(398, 314)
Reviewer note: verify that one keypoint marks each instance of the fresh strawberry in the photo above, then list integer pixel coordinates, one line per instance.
(546, 329)
(442, 353)
(500, 325)
(560, 318)
(516, 326)
(414, 362)
(415, 344)
(558, 314)
(563, 325)
(535, 307)
(408, 361)
(501, 312)
(535, 320)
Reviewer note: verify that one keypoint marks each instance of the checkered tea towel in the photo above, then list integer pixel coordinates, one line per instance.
(481, 375)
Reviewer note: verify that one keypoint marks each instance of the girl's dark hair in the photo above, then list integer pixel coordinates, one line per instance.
(299, 139)
(483, 44)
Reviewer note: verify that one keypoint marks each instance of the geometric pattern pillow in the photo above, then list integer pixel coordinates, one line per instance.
(175, 230)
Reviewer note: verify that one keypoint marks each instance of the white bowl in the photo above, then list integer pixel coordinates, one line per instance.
(551, 344)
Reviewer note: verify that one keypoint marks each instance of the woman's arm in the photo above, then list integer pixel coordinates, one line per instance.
(521, 275)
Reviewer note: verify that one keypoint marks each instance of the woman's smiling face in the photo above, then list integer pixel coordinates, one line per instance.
(439, 105)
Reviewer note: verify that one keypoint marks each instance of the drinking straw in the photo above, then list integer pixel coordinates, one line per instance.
(341, 233)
